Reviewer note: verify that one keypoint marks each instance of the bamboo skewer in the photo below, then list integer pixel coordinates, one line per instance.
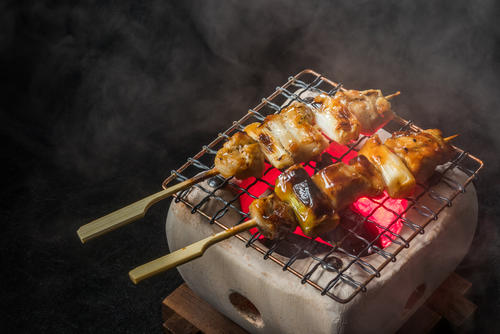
(185, 254)
(194, 250)
(393, 95)
(138, 209)
(135, 210)
(450, 138)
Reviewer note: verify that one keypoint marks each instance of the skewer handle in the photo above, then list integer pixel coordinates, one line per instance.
(185, 254)
(135, 210)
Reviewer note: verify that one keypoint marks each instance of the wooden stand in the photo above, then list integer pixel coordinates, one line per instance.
(185, 313)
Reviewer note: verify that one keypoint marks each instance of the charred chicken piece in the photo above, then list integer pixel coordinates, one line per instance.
(335, 119)
(398, 180)
(240, 157)
(313, 210)
(345, 183)
(274, 217)
(269, 144)
(370, 108)
(421, 152)
(288, 137)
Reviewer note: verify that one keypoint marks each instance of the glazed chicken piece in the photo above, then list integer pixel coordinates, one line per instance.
(344, 184)
(370, 107)
(288, 137)
(313, 202)
(240, 157)
(421, 152)
(313, 210)
(398, 180)
(335, 119)
(274, 217)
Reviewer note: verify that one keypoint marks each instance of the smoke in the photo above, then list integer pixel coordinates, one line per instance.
(120, 93)
(133, 72)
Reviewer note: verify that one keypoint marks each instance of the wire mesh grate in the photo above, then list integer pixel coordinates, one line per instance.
(340, 257)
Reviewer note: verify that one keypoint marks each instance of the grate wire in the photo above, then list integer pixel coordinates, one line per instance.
(294, 90)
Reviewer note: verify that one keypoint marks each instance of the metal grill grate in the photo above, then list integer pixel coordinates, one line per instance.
(338, 259)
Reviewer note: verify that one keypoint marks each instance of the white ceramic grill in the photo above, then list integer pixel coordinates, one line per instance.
(361, 282)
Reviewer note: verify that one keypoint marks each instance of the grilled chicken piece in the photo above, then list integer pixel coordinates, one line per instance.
(421, 152)
(274, 217)
(398, 180)
(345, 183)
(335, 119)
(313, 210)
(308, 141)
(288, 137)
(240, 157)
(271, 146)
(370, 108)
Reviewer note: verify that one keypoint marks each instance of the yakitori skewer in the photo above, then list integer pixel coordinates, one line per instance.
(294, 135)
(313, 202)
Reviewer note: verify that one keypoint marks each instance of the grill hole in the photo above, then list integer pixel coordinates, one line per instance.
(246, 308)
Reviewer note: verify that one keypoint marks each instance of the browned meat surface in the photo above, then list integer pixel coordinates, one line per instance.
(421, 152)
(307, 141)
(240, 157)
(345, 183)
(399, 181)
(335, 119)
(313, 202)
(370, 107)
(274, 217)
(288, 137)
(270, 146)
(363, 166)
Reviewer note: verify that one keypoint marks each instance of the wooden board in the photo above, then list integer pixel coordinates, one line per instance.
(186, 313)
(447, 302)
(195, 311)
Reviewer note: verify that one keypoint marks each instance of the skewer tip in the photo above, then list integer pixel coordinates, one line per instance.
(388, 97)
(450, 138)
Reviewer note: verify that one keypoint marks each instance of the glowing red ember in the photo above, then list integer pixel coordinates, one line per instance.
(381, 218)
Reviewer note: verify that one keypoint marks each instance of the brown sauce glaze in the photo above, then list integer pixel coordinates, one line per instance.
(307, 192)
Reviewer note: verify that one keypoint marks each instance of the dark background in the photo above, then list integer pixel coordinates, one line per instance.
(100, 100)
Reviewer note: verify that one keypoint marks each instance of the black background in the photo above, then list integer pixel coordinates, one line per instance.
(102, 99)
